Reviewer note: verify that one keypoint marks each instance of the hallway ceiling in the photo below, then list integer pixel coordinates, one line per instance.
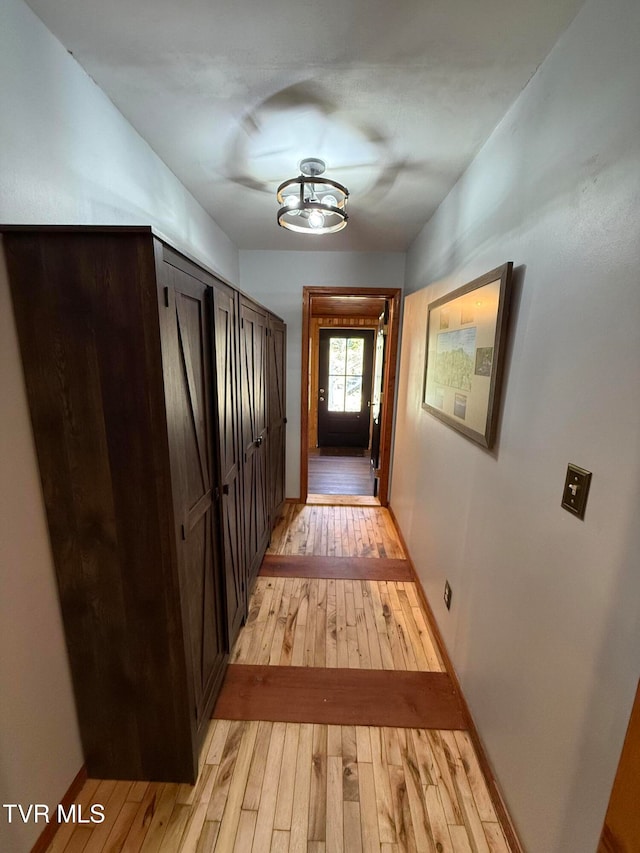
(396, 97)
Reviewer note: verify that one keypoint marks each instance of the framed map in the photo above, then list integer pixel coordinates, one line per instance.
(466, 332)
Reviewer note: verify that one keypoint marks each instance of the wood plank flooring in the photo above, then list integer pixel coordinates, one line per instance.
(336, 623)
(301, 787)
(335, 568)
(299, 694)
(336, 531)
(339, 474)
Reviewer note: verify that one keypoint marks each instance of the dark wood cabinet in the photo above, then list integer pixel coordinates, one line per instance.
(131, 359)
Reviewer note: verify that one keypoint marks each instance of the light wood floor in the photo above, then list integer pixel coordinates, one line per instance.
(336, 531)
(273, 787)
(337, 623)
(340, 475)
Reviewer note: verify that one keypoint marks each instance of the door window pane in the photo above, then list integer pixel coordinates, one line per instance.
(354, 394)
(337, 354)
(336, 394)
(355, 356)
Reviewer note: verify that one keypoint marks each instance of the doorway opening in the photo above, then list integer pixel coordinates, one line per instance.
(350, 339)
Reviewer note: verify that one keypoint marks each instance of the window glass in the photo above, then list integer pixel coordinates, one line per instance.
(355, 356)
(336, 394)
(337, 355)
(354, 394)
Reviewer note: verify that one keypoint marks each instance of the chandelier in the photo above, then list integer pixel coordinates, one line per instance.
(311, 204)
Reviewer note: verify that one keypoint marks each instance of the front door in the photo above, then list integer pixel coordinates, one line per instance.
(344, 388)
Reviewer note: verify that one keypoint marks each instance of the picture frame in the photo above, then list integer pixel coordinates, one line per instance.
(464, 359)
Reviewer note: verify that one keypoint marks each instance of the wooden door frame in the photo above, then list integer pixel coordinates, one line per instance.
(393, 295)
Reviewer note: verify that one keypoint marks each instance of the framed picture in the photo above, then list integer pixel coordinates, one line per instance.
(466, 332)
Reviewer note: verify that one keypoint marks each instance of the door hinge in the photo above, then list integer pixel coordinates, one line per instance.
(166, 297)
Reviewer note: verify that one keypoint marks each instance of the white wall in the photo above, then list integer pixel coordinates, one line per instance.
(276, 280)
(544, 630)
(66, 156)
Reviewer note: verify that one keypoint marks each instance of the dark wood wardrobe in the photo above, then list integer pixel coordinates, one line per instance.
(156, 393)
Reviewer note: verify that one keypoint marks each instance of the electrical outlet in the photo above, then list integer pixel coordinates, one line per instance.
(447, 594)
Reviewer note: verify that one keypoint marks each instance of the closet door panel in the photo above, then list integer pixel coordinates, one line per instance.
(228, 385)
(276, 386)
(254, 432)
(193, 471)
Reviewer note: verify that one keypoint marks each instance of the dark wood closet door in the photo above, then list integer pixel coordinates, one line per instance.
(253, 350)
(228, 383)
(276, 378)
(189, 410)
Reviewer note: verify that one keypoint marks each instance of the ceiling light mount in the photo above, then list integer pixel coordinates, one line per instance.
(311, 204)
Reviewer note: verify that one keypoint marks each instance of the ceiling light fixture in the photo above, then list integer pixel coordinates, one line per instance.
(310, 204)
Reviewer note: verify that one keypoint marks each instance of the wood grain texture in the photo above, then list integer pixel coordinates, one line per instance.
(339, 696)
(253, 367)
(341, 500)
(391, 800)
(335, 531)
(86, 308)
(338, 568)
(187, 348)
(273, 787)
(226, 351)
(317, 787)
(276, 414)
(340, 475)
(336, 623)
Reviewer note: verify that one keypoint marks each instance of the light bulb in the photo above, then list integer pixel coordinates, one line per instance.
(316, 219)
(291, 201)
(330, 200)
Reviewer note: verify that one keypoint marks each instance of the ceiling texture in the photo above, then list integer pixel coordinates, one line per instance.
(397, 96)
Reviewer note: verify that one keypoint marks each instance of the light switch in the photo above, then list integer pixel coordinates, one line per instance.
(576, 489)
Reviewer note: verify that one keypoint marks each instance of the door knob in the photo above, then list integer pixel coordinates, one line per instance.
(322, 390)
(258, 441)
(322, 399)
